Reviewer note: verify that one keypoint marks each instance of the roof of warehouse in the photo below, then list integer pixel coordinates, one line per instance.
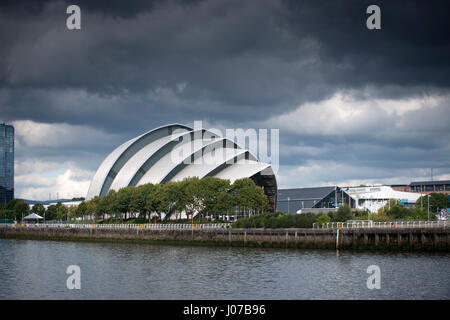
(304, 193)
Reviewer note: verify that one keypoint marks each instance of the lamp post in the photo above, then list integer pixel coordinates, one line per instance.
(428, 196)
(288, 205)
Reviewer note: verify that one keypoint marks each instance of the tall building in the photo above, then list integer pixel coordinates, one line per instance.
(6, 163)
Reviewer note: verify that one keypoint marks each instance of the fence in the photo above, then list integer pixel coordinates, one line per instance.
(387, 224)
(168, 226)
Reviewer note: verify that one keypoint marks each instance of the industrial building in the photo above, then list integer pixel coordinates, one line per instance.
(440, 186)
(324, 199)
(317, 200)
(376, 197)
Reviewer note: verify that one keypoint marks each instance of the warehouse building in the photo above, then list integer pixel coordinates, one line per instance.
(325, 199)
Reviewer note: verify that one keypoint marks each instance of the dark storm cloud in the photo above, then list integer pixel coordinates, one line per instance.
(229, 57)
(136, 65)
(412, 47)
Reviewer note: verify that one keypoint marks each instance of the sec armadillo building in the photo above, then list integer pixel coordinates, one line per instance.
(175, 152)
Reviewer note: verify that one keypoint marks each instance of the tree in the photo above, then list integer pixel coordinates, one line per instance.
(20, 208)
(171, 198)
(437, 201)
(51, 213)
(343, 214)
(216, 197)
(95, 207)
(260, 201)
(122, 201)
(248, 196)
(323, 218)
(107, 204)
(419, 213)
(38, 209)
(8, 214)
(395, 210)
(388, 206)
(224, 203)
(61, 211)
(192, 196)
(81, 209)
(138, 200)
(157, 200)
(71, 212)
(399, 212)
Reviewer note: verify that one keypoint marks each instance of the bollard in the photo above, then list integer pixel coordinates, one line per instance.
(337, 238)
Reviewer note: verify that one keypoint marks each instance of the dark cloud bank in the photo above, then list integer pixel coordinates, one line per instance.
(139, 64)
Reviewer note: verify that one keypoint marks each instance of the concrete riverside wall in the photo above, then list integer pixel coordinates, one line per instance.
(417, 239)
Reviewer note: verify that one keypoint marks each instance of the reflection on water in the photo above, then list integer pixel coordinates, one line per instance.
(37, 270)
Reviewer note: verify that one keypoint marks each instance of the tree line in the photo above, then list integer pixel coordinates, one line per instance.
(17, 209)
(394, 210)
(206, 197)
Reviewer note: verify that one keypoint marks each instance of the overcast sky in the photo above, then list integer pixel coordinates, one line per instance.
(353, 105)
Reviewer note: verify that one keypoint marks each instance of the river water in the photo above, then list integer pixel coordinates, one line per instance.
(37, 270)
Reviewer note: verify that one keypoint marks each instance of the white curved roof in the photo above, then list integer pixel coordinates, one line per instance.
(206, 166)
(172, 158)
(102, 171)
(242, 169)
(173, 153)
(130, 168)
(100, 177)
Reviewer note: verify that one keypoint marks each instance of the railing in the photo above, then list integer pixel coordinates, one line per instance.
(168, 226)
(177, 226)
(385, 225)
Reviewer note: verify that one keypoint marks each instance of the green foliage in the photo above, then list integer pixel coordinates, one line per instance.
(217, 197)
(246, 194)
(61, 211)
(15, 209)
(437, 201)
(122, 200)
(38, 209)
(380, 216)
(395, 210)
(20, 208)
(51, 213)
(81, 209)
(203, 197)
(9, 214)
(277, 220)
(323, 218)
(343, 214)
(138, 201)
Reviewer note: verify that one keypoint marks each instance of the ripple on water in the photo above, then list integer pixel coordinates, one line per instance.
(37, 270)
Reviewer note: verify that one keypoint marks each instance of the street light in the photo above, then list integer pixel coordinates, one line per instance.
(428, 196)
(288, 205)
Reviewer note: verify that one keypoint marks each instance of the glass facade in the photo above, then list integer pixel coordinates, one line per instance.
(6, 163)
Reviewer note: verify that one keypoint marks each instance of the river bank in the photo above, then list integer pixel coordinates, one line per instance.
(410, 239)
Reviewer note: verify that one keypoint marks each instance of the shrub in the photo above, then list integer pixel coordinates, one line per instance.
(323, 218)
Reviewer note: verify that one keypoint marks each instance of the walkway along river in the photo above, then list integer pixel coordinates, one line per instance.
(431, 238)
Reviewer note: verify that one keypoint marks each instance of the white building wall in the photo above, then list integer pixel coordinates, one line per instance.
(376, 197)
